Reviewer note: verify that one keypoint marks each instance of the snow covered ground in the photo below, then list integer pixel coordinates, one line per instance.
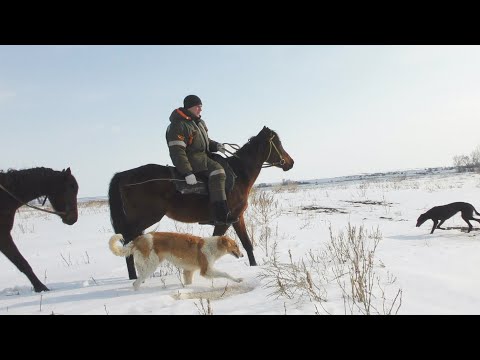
(437, 274)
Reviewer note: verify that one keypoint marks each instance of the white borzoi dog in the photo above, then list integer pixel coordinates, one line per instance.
(186, 251)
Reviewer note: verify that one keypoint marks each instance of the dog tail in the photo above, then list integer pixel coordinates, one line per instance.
(476, 212)
(117, 249)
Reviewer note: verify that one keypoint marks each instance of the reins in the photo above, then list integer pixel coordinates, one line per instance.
(235, 147)
(271, 143)
(159, 179)
(32, 206)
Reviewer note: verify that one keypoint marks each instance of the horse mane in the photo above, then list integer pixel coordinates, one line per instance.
(14, 178)
(253, 142)
(250, 150)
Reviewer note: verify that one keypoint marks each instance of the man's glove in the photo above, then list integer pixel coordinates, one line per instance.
(191, 179)
(221, 148)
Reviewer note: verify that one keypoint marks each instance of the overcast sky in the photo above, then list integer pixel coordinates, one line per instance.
(339, 110)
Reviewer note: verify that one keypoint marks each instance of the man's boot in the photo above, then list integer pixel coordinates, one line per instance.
(222, 215)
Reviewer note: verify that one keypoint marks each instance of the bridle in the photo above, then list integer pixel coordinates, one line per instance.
(272, 144)
(32, 206)
(282, 160)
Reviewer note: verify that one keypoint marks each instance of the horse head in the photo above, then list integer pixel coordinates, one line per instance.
(63, 197)
(276, 154)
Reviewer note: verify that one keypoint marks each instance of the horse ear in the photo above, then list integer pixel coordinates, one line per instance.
(68, 171)
(266, 130)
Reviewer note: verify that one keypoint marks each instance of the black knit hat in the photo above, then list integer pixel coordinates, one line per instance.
(191, 100)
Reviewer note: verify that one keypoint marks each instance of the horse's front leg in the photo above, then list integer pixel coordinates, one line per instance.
(220, 230)
(10, 250)
(241, 231)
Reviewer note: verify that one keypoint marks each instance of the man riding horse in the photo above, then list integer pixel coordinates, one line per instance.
(189, 147)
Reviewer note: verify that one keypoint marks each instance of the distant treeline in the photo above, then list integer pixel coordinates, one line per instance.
(285, 182)
(465, 163)
(399, 175)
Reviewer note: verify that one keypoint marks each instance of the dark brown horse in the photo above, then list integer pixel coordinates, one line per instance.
(17, 188)
(135, 208)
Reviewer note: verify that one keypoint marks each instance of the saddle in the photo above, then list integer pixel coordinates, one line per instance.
(201, 187)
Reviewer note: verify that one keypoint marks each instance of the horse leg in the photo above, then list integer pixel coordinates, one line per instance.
(127, 237)
(220, 230)
(8, 247)
(242, 234)
(241, 231)
(132, 274)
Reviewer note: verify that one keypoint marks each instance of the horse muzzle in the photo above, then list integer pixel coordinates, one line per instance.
(70, 218)
(288, 164)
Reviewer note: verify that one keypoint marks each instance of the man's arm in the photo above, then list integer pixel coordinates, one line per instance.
(177, 146)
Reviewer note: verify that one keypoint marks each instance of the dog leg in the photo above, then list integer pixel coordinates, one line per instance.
(475, 219)
(438, 226)
(470, 227)
(214, 273)
(138, 282)
(143, 276)
(145, 269)
(187, 277)
(435, 222)
(142, 270)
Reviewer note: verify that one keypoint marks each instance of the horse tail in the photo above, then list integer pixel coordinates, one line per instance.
(117, 213)
(118, 250)
(118, 218)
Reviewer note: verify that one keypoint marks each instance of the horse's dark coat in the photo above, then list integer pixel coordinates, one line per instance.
(135, 208)
(61, 189)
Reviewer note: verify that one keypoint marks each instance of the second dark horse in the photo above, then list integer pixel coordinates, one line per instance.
(135, 208)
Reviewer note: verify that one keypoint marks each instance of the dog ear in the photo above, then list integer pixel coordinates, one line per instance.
(224, 240)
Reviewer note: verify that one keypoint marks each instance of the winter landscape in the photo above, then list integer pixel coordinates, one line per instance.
(332, 246)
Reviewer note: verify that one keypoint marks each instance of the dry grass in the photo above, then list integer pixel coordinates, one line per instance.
(263, 209)
(348, 261)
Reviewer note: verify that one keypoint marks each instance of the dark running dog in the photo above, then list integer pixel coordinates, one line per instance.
(442, 213)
